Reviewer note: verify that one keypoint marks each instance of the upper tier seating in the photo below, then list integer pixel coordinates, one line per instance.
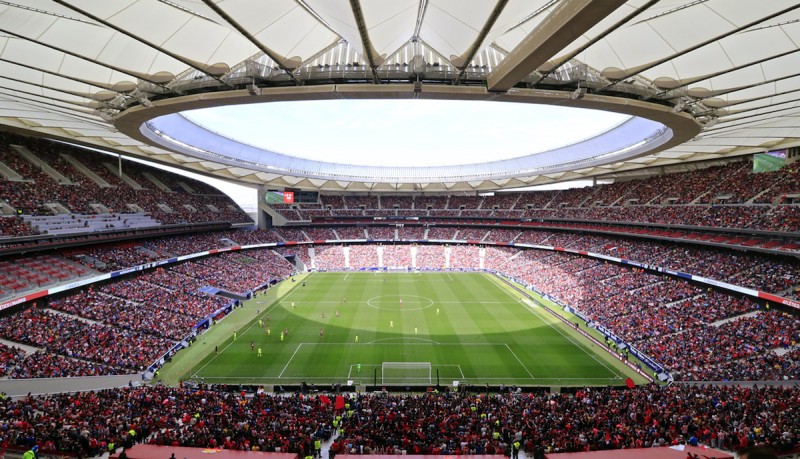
(720, 196)
(65, 189)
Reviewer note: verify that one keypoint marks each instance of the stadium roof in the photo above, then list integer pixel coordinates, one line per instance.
(713, 78)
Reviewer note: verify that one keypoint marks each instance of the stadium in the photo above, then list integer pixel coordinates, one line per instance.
(299, 228)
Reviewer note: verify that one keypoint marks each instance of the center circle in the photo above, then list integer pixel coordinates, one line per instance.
(400, 302)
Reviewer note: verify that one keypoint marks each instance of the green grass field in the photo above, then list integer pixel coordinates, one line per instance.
(467, 327)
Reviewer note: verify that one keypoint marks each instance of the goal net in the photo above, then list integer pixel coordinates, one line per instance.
(406, 373)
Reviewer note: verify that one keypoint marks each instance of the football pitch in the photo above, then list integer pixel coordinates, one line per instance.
(365, 328)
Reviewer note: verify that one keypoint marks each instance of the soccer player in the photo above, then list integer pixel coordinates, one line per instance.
(252, 346)
(292, 305)
(415, 330)
(234, 335)
(401, 302)
(437, 311)
(356, 338)
(281, 336)
(323, 315)
(337, 313)
(269, 332)
(321, 332)
(259, 352)
(260, 323)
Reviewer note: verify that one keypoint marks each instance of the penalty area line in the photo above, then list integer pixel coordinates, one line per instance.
(555, 327)
(290, 360)
(520, 362)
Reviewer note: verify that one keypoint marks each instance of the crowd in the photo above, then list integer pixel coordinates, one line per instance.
(717, 196)
(71, 337)
(441, 423)
(43, 364)
(169, 198)
(441, 232)
(637, 306)
(328, 257)
(15, 227)
(126, 324)
(10, 356)
(471, 234)
(148, 317)
(237, 272)
(113, 258)
(321, 234)
(351, 232)
(290, 234)
(381, 233)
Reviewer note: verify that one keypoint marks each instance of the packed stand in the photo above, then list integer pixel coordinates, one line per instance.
(397, 256)
(351, 232)
(430, 257)
(115, 311)
(237, 272)
(363, 256)
(381, 233)
(329, 257)
(435, 423)
(15, 227)
(43, 364)
(79, 193)
(441, 232)
(71, 337)
(471, 234)
(10, 357)
(290, 234)
(114, 258)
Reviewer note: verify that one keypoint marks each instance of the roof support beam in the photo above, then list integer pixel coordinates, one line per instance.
(286, 65)
(50, 107)
(605, 33)
(132, 73)
(193, 64)
(366, 43)
(105, 86)
(638, 70)
(568, 21)
(462, 61)
(423, 7)
(672, 91)
(50, 88)
(722, 92)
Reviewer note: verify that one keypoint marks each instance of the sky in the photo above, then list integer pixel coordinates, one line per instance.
(398, 132)
(405, 132)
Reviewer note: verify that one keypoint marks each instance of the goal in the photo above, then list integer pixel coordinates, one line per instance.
(406, 373)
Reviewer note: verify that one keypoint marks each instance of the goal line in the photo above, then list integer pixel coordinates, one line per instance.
(406, 373)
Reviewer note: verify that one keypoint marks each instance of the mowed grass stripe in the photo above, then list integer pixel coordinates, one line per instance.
(481, 330)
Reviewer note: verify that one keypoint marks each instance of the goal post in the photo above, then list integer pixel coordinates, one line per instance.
(406, 373)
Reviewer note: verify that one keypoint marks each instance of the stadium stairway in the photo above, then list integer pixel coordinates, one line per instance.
(25, 347)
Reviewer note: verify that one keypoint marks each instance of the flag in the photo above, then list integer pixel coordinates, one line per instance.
(339, 404)
(324, 399)
(629, 382)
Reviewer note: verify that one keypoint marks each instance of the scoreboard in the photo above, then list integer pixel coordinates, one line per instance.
(291, 196)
